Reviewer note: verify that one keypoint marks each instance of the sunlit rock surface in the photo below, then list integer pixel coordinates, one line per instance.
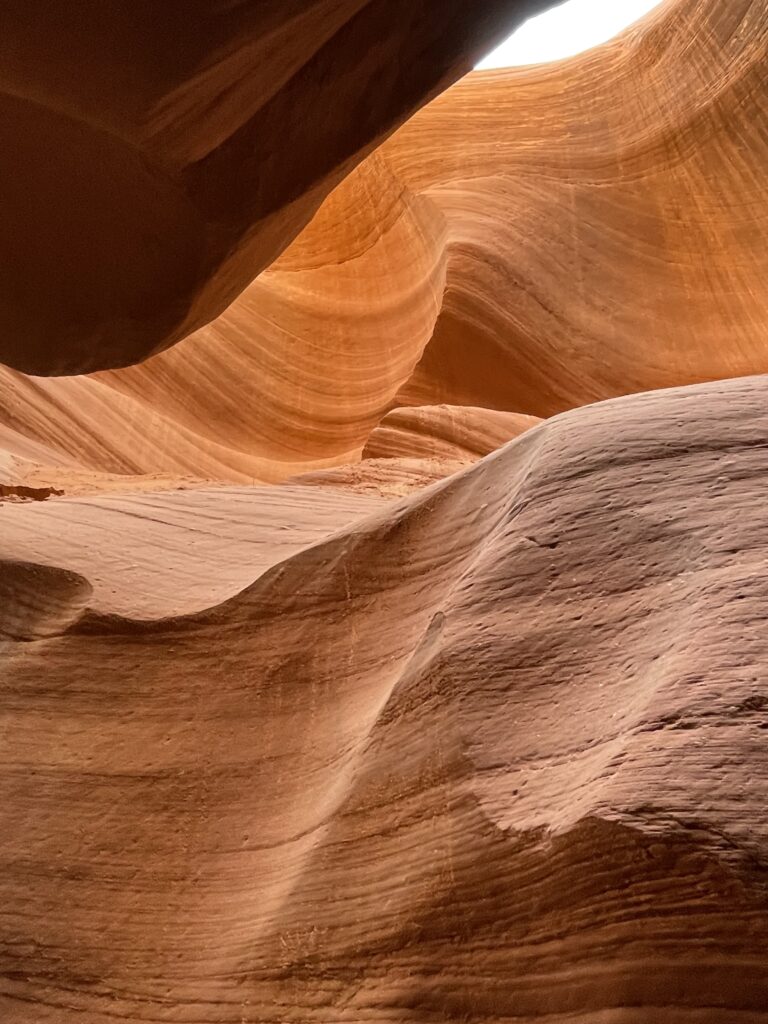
(154, 157)
(508, 248)
(466, 720)
(512, 726)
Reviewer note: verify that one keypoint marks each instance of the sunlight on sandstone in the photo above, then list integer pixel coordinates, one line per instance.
(567, 30)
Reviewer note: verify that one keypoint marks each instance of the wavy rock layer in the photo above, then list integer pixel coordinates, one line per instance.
(153, 555)
(292, 377)
(155, 157)
(414, 447)
(446, 432)
(389, 478)
(505, 249)
(604, 216)
(494, 751)
(346, 793)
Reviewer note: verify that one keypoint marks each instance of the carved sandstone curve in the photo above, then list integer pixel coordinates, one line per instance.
(503, 249)
(458, 432)
(155, 157)
(280, 829)
(292, 377)
(604, 216)
(414, 447)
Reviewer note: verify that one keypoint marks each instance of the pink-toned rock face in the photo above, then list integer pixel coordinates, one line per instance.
(466, 721)
(511, 726)
(154, 157)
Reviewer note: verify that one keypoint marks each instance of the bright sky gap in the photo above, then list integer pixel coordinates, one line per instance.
(566, 30)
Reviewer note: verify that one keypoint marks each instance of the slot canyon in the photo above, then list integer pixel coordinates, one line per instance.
(383, 568)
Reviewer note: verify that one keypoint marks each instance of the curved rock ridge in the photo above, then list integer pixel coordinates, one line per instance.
(387, 477)
(414, 447)
(154, 157)
(604, 216)
(38, 600)
(462, 432)
(501, 250)
(347, 793)
(292, 377)
(235, 406)
(158, 553)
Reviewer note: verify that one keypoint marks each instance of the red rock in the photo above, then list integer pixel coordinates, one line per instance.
(154, 157)
(467, 721)
(511, 728)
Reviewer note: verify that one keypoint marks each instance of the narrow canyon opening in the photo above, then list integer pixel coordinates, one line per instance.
(567, 30)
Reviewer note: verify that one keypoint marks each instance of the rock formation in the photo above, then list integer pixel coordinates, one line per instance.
(511, 729)
(464, 721)
(608, 239)
(157, 156)
(435, 272)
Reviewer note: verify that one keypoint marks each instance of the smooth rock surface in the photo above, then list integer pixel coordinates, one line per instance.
(466, 721)
(496, 751)
(505, 249)
(154, 157)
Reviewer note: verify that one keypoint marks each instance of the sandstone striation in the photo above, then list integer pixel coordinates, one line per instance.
(604, 216)
(443, 431)
(510, 728)
(156, 156)
(502, 250)
(466, 720)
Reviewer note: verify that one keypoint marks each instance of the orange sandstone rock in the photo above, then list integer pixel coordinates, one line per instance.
(154, 157)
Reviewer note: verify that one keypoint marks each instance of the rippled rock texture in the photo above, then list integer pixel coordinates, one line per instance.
(495, 751)
(508, 248)
(466, 720)
(154, 157)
